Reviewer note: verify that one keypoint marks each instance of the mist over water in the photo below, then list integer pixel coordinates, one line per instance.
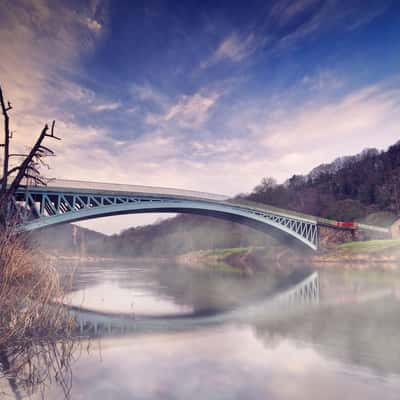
(345, 347)
(194, 336)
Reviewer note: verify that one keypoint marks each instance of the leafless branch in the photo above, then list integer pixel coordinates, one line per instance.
(12, 170)
(29, 167)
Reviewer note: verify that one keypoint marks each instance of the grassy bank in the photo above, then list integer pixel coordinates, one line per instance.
(368, 254)
(372, 253)
(372, 247)
(244, 259)
(217, 259)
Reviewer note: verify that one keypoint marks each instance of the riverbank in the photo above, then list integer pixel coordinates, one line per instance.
(229, 260)
(383, 254)
(244, 260)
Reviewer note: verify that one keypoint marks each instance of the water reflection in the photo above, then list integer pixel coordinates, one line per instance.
(110, 297)
(302, 295)
(27, 370)
(224, 363)
(198, 334)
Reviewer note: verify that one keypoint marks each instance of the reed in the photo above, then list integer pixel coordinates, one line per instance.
(29, 283)
(36, 335)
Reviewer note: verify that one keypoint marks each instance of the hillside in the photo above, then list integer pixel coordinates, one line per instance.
(349, 188)
(68, 239)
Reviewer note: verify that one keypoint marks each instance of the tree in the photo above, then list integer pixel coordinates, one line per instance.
(266, 184)
(28, 168)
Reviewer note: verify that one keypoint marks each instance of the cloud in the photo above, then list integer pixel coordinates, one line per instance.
(187, 111)
(233, 48)
(41, 41)
(148, 93)
(192, 111)
(106, 107)
(354, 119)
(283, 12)
(304, 18)
(323, 80)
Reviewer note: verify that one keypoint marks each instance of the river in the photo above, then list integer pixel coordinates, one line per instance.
(346, 347)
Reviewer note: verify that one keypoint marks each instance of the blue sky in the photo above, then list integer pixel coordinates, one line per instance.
(204, 95)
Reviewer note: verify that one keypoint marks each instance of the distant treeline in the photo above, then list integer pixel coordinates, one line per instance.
(169, 237)
(348, 189)
(363, 187)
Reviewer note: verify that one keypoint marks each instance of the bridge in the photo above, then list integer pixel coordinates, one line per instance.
(62, 201)
(93, 323)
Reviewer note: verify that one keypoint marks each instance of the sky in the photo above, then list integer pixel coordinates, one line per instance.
(203, 95)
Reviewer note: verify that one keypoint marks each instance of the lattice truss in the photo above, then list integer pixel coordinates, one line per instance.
(304, 229)
(307, 292)
(31, 204)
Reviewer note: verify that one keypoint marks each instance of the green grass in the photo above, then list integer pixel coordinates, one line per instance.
(224, 267)
(221, 252)
(215, 258)
(227, 251)
(372, 246)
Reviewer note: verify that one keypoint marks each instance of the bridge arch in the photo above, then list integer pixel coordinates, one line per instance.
(46, 206)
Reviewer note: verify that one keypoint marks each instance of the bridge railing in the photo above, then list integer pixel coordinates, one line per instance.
(319, 220)
(267, 208)
(117, 188)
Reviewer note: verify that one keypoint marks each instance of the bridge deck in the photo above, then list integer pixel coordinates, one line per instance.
(123, 189)
(75, 186)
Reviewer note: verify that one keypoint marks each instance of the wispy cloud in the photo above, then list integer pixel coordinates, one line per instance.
(323, 80)
(106, 107)
(187, 111)
(307, 135)
(304, 18)
(40, 47)
(192, 111)
(148, 93)
(234, 48)
(39, 41)
(284, 11)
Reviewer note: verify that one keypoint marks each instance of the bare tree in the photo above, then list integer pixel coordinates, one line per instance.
(28, 168)
(7, 136)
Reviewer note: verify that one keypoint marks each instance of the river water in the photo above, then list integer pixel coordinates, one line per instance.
(346, 347)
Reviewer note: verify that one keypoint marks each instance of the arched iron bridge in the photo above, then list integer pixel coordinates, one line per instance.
(63, 201)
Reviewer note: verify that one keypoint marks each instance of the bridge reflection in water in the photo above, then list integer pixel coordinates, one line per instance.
(95, 323)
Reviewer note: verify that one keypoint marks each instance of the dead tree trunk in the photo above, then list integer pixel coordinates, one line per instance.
(5, 108)
(28, 168)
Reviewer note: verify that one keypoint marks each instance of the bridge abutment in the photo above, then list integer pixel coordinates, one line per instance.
(333, 236)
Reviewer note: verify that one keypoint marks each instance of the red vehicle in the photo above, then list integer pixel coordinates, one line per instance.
(346, 224)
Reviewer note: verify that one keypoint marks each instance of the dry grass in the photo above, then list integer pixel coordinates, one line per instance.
(36, 335)
(28, 284)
